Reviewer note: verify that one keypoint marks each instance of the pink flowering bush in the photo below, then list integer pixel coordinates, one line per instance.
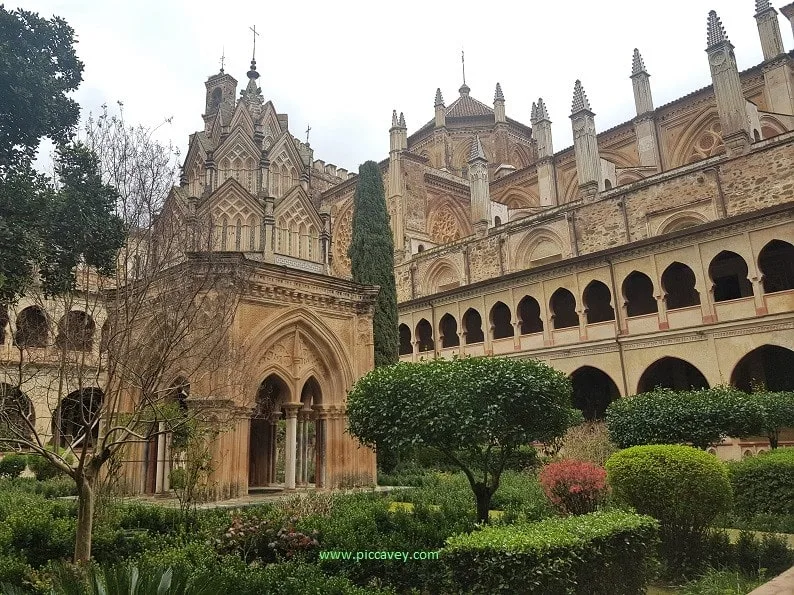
(574, 487)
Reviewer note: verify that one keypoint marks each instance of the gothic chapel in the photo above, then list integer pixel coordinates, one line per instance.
(307, 335)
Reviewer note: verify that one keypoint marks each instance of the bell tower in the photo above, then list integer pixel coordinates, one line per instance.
(220, 98)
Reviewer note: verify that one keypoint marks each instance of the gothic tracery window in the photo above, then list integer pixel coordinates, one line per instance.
(444, 227)
(708, 144)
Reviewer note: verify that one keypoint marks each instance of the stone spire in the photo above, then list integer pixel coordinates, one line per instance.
(637, 63)
(252, 93)
(580, 101)
(398, 137)
(588, 162)
(644, 124)
(731, 104)
(542, 113)
(441, 111)
(642, 85)
(479, 188)
(768, 30)
(716, 32)
(499, 105)
(541, 131)
(788, 12)
(476, 150)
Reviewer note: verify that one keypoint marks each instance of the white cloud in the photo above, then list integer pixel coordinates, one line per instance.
(342, 67)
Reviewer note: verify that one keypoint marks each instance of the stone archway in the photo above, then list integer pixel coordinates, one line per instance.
(769, 366)
(266, 455)
(593, 391)
(673, 373)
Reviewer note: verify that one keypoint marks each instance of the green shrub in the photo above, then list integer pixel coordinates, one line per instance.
(604, 552)
(683, 487)
(365, 522)
(12, 465)
(764, 484)
(700, 418)
(42, 468)
(50, 488)
(14, 571)
(38, 533)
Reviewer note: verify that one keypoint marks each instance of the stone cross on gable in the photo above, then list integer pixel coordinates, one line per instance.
(308, 130)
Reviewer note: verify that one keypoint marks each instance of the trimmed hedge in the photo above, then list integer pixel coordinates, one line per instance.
(12, 465)
(764, 484)
(603, 552)
(700, 418)
(683, 488)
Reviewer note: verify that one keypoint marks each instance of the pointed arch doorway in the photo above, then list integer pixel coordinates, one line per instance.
(266, 452)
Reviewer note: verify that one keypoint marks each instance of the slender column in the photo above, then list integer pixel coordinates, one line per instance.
(305, 476)
(167, 463)
(158, 482)
(319, 445)
(291, 410)
(300, 463)
(272, 451)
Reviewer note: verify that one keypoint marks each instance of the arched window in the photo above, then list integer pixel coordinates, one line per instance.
(593, 391)
(17, 417)
(768, 366)
(77, 418)
(596, 299)
(678, 282)
(728, 271)
(76, 331)
(563, 309)
(673, 373)
(776, 262)
(500, 321)
(607, 185)
(32, 328)
(472, 327)
(497, 221)
(529, 315)
(405, 340)
(449, 331)
(421, 248)
(424, 335)
(638, 292)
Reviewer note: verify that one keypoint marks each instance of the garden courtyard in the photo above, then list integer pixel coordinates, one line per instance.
(497, 495)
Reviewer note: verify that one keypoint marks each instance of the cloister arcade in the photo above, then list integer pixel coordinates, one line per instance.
(567, 315)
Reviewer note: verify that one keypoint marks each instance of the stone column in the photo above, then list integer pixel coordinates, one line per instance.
(268, 230)
(291, 411)
(479, 188)
(321, 418)
(300, 460)
(272, 448)
(158, 481)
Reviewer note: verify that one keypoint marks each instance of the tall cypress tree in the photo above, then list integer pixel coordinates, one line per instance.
(372, 257)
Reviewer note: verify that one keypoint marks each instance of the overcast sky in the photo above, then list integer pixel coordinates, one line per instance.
(342, 66)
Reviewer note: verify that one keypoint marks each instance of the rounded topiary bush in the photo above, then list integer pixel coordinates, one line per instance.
(683, 487)
(764, 484)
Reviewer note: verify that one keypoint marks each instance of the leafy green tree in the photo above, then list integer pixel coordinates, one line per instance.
(372, 258)
(83, 224)
(701, 417)
(477, 412)
(778, 412)
(24, 197)
(38, 67)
